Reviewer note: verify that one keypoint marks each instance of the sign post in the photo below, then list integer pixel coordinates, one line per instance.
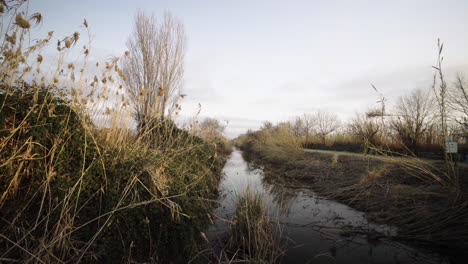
(451, 146)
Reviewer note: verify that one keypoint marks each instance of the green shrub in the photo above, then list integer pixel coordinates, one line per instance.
(69, 197)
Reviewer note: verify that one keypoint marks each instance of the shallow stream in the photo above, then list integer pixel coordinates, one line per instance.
(314, 229)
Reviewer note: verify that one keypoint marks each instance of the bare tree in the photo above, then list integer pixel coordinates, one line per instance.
(366, 128)
(324, 124)
(303, 126)
(308, 126)
(458, 102)
(413, 118)
(267, 125)
(154, 68)
(297, 126)
(212, 127)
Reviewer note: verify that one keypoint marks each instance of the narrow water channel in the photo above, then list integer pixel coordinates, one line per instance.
(314, 229)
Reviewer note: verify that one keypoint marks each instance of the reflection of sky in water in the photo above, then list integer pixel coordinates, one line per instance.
(317, 230)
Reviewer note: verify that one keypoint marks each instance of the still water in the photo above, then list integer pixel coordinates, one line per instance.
(314, 229)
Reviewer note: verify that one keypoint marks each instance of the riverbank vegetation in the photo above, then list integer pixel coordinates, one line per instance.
(416, 196)
(252, 236)
(426, 200)
(417, 124)
(78, 181)
(274, 143)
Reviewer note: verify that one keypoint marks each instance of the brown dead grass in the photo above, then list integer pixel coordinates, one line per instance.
(425, 211)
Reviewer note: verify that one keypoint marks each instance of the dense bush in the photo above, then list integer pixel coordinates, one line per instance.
(42, 139)
(275, 143)
(67, 196)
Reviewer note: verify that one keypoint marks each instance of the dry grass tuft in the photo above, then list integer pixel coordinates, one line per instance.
(21, 22)
(374, 174)
(252, 235)
(335, 158)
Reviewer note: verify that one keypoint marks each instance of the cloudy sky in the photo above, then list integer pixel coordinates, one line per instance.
(251, 61)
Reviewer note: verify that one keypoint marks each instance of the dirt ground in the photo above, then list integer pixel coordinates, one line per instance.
(428, 209)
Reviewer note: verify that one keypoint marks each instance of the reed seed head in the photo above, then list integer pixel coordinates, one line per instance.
(21, 22)
(36, 17)
(68, 43)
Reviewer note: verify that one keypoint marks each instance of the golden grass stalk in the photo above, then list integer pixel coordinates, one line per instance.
(252, 234)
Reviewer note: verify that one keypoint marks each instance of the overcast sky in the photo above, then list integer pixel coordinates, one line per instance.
(251, 61)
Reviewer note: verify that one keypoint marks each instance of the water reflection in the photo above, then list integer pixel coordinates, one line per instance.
(315, 229)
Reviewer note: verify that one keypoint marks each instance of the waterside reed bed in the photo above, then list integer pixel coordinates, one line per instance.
(425, 200)
(252, 236)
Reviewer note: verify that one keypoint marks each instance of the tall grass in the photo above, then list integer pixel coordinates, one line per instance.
(274, 143)
(253, 237)
(77, 184)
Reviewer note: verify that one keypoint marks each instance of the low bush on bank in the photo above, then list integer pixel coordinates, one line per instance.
(275, 143)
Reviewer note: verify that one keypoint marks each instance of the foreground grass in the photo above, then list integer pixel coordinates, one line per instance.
(253, 237)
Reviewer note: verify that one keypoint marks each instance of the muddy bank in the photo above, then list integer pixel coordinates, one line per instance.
(426, 213)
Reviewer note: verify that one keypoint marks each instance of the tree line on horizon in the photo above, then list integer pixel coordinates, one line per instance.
(420, 121)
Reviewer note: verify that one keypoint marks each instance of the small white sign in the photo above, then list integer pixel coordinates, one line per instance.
(451, 146)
